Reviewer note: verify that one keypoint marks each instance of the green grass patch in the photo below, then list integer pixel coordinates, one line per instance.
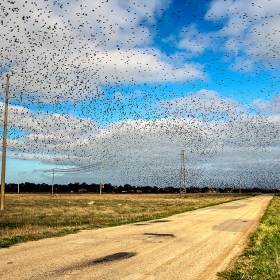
(261, 258)
(30, 217)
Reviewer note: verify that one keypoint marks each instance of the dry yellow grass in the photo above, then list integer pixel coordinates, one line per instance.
(34, 216)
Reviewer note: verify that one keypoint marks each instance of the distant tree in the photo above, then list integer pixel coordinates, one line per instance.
(127, 187)
(29, 187)
(94, 187)
(11, 188)
(107, 187)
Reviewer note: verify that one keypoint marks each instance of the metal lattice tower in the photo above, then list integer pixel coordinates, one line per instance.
(183, 173)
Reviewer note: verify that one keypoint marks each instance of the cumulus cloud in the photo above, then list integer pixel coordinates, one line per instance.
(272, 106)
(193, 41)
(242, 64)
(250, 29)
(207, 102)
(66, 51)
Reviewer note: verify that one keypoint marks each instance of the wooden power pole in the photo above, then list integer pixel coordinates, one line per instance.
(52, 180)
(4, 144)
(101, 185)
(183, 174)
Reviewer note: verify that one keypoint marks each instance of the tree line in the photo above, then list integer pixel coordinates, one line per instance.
(28, 187)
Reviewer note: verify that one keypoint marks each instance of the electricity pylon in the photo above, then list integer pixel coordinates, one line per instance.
(183, 173)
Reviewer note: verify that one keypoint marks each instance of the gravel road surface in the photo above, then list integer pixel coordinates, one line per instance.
(193, 245)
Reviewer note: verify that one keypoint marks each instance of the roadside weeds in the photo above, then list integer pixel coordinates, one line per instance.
(261, 258)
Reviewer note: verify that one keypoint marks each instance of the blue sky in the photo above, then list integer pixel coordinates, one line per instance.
(132, 85)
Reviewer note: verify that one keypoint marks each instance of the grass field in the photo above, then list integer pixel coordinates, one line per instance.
(36, 216)
(261, 259)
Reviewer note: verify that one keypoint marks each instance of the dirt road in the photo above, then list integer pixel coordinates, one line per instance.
(192, 245)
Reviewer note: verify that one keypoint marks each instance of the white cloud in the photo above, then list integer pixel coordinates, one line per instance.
(242, 64)
(250, 28)
(206, 102)
(193, 41)
(272, 106)
(66, 51)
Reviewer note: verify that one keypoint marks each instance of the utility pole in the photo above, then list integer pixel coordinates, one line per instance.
(52, 180)
(100, 188)
(183, 174)
(4, 144)
(240, 185)
(18, 182)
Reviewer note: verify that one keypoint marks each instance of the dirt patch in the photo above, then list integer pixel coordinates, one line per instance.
(235, 225)
(230, 207)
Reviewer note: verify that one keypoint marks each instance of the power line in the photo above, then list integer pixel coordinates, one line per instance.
(73, 170)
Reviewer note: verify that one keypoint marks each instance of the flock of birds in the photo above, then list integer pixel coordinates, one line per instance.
(125, 84)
